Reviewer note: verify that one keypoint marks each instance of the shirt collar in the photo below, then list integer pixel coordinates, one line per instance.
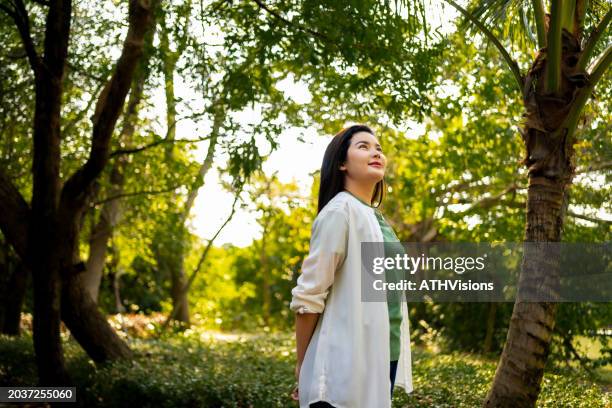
(360, 200)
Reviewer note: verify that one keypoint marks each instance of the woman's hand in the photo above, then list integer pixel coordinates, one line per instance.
(295, 394)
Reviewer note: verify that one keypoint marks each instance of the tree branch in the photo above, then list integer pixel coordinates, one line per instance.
(538, 10)
(110, 104)
(120, 152)
(511, 63)
(14, 215)
(81, 113)
(136, 193)
(487, 202)
(599, 67)
(592, 41)
(595, 167)
(182, 40)
(218, 120)
(553, 55)
(22, 20)
(85, 73)
(317, 34)
(194, 273)
(587, 218)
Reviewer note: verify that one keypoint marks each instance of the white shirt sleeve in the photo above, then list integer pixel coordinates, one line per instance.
(328, 244)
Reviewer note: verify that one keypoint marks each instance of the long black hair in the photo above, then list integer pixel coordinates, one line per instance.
(332, 178)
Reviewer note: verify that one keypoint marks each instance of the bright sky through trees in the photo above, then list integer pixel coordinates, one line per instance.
(293, 160)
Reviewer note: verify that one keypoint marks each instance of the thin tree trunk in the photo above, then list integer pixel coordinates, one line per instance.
(180, 296)
(174, 263)
(265, 273)
(115, 275)
(98, 241)
(488, 341)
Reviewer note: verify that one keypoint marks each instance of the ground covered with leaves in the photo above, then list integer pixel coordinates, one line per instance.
(199, 368)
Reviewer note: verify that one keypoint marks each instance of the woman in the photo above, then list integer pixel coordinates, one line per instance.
(348, 351)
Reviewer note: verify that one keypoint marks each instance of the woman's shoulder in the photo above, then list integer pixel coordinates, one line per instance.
(340, 202)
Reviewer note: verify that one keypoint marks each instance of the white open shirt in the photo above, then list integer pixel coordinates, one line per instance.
(347, 360)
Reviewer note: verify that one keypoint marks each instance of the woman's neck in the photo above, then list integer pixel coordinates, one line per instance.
(364, 192)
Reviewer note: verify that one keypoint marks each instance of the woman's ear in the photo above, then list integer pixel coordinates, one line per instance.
(342, 167)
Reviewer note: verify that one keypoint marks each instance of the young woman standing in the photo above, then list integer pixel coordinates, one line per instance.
(349, 352)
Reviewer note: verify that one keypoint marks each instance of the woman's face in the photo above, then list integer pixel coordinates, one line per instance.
(365, 161)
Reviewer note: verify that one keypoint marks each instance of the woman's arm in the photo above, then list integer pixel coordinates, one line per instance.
(328, 244)
(305, 324)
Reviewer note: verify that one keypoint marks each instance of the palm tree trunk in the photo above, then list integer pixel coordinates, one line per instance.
(521, 367)
(550, 98)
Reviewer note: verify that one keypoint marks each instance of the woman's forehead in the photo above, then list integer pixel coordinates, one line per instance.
(364, 137)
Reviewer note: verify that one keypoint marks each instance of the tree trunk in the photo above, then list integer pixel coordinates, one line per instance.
(16, 290)
(173, 261)
(488, 341)
(180, 300)
(180, 290)
(549, 139)
(42, 255)
(46, 320)
(170, 256)
(265, 273)
(521, 367)
(98, 240)
(115, 274)
(119, 308)
(88, 326)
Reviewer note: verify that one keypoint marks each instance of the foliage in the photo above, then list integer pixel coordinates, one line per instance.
(206, 369)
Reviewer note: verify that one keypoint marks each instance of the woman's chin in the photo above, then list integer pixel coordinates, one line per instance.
(376, 174)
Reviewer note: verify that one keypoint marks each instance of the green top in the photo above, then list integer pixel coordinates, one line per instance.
(392, 247)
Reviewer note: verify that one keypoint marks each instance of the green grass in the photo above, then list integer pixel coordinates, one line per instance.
(202, 369)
